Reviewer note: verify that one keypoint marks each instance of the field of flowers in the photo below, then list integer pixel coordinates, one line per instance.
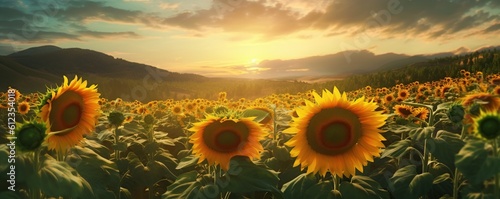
(419, 140)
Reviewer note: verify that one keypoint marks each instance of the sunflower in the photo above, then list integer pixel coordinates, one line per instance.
(218, 140)
(421, 113)
(487, 125)
(403, 110)
(404, 94)
(70, 111)
(189, 107)
(23, 108)
(177, 109)
(388, 98)
(128, 119)
(420, 97)
(335, 134)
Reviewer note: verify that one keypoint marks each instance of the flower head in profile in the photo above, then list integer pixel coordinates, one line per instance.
(70, 111)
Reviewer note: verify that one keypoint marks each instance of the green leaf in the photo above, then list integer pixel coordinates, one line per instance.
(120, 146)
(162, 138)
(400, 181)
(475, 164)
(4, 155)
(58, 179)
(155, 171)
(183, 153)
(421, 184)
(151, 148)
(168, 160)
(188, 161)
(100, 173)
(471, 191)
(97, 147)
(258, 114)
(398, 129)
(297, 187)
(445, 146)
(186, 186)
(209, 191)
(131, 128)
(420, 134)
(362, 187)
(281, 153)
(443, 177)
(272, 163)
(320, 190)
(244, 176)
(125, 194)
(10, 195)
(396, 149)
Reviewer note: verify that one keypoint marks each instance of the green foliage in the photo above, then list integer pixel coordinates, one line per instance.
(362, 187)
(258, 114)
(475, 164)
(57, 178)
(396, 149)
(406, 183)
(244, 176)
(100, 173)
(307, 186)
(186, 186)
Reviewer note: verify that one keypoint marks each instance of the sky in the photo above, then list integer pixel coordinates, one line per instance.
(231, 38)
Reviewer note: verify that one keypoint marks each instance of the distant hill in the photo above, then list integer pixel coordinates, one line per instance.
(486, 60)
(402, 62)
(35, 69)
(335, 65)
(40, 50)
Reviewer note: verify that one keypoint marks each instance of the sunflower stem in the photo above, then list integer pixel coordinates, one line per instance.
(117, 152)
(35, 192)
(336, 182)
(497, 175)
(60, 155)
(456, 176)
(426, 157)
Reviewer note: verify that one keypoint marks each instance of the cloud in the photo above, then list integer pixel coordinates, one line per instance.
(426, 18)
(492, 28)
(267, 19)
(168, 6)
(98, 34)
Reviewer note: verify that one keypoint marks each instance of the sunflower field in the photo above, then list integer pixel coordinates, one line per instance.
(426, 140)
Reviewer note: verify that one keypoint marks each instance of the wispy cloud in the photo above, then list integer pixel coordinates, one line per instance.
(267, 19)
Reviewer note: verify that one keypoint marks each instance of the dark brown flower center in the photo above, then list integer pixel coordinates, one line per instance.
(66, 111)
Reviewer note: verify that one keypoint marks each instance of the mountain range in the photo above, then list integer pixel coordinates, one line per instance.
(35, 69)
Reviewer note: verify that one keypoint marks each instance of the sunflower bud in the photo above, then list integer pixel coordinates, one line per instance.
(116, 118)
(456, 113)
(30, 136)
(149, 119)
(488, 125)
